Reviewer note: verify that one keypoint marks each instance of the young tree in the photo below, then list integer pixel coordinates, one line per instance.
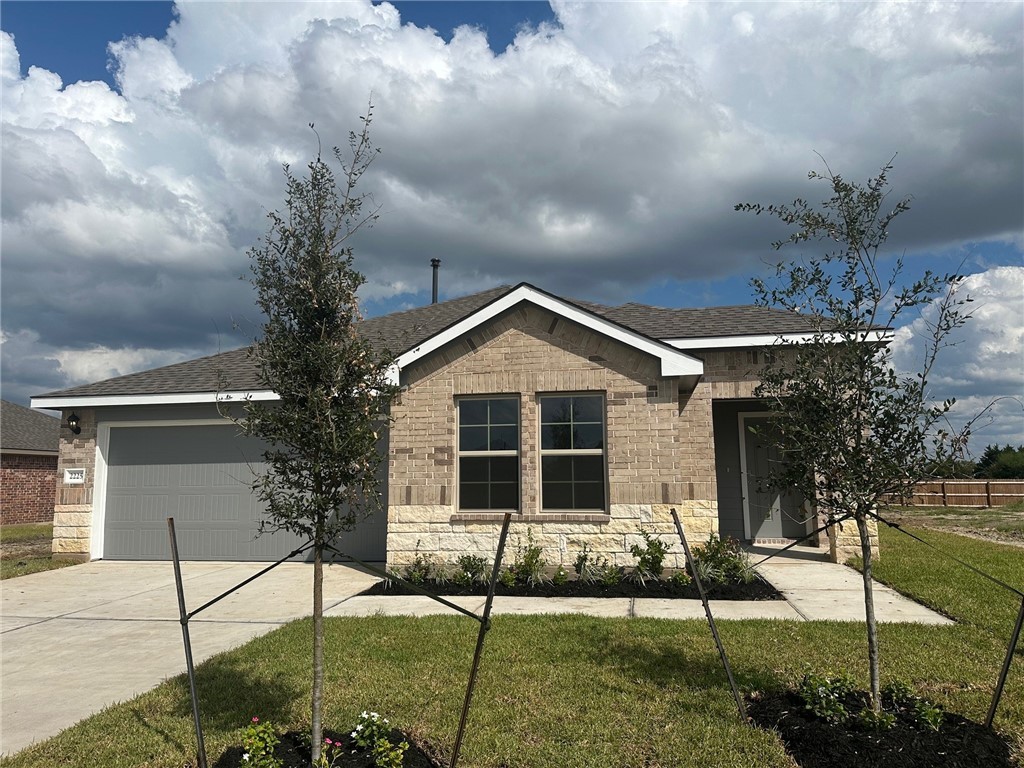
(333, 386)
(850, 427)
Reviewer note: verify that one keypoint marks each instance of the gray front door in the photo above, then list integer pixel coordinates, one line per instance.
(771, 514)
(200, 475)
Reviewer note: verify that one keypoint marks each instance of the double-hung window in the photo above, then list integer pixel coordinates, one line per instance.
(572, 452)
(489, 453)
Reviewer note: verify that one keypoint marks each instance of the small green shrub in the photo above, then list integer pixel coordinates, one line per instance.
(870, 720)
(826, 696)
(680, 579)
(722, 560)
(650, 558)
(899, 697)
(373, 735)
(422, 569)
(258, 743)
(473, 568)
(608, 575)
(584, 565)
(561, 576)
(528, 566)
(507, 578)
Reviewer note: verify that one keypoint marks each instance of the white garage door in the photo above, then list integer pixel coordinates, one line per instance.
(200, 476)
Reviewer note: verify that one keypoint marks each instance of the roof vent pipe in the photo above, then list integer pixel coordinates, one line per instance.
(435, 265)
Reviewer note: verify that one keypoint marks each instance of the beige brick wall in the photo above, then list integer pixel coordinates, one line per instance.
(72, 511)
(660, 451)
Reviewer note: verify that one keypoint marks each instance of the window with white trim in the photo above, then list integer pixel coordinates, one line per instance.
(572, 453)
(489, 453)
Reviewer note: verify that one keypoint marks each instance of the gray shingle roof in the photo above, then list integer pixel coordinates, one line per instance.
(401, 331)
(22, 429)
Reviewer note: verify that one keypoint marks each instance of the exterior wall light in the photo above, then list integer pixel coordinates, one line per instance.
(74, 423)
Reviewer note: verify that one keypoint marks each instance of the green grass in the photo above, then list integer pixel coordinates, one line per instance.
(560, 690)
(25, 549)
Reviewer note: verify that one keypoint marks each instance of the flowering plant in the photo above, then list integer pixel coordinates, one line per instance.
(258, 742)
(330, 754)
(372, 735)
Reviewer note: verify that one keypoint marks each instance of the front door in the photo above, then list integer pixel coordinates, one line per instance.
(770, 514)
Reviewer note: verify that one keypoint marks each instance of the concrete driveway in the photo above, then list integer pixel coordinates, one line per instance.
(75, 640)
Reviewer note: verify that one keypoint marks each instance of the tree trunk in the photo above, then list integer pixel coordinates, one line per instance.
(869, 612)
(317, 735)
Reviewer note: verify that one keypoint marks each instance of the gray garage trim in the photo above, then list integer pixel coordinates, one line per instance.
(199, 473)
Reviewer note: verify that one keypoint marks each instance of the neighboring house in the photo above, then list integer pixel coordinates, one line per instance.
(586, 421)
(28, 464)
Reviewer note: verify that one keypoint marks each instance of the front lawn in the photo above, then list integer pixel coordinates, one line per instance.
(25, 549)
(555, 690)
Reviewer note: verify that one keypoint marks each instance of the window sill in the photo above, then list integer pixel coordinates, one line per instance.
(540, 517)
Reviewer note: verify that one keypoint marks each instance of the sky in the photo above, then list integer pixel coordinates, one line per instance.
(594, 149)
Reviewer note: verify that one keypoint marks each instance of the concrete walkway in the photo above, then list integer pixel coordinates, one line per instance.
(76, 640)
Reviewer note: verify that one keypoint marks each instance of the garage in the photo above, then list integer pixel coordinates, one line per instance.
(200, 475)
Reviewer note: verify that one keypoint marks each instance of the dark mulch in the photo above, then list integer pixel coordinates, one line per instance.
(814, 743)
(293, 752)
(755, 590)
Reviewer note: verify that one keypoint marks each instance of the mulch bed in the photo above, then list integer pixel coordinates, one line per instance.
(755, 590)
(293, 752)
(814, 743)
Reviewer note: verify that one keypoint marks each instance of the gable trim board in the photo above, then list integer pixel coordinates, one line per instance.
(176, 398)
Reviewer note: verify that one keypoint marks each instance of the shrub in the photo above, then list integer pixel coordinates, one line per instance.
(650, 558)
(826, 697)
(721, 560)
(258, 743)
(373, 736)
(680, 579)
(870, 720)
(528, 566)
(900, 698)
(422, 569)
(561, 576)
(472, 568)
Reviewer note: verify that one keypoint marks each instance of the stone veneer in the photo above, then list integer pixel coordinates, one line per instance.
(660, 452)
(72, 512)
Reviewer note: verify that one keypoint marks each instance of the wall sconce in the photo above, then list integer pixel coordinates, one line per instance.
(74, 423)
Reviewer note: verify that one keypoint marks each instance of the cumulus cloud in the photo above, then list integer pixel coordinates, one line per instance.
(595, 157)
(983, 366)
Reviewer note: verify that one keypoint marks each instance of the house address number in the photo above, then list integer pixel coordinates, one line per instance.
(74, 476)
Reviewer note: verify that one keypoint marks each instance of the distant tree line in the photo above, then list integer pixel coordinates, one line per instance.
(995, 463)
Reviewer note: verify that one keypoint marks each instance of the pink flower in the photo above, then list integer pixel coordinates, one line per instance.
(255, 719)
(328, 741)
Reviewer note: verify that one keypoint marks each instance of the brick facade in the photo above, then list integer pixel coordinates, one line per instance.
(27, 485)
(659, 449)
(72, 513)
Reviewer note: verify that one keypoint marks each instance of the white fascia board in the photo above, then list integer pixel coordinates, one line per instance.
(672, 363)
(769, 340)
(178, 398)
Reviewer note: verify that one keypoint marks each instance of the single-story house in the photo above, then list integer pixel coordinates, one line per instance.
(28, 464)
(586, 421)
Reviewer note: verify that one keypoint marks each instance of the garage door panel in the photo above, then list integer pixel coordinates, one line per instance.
(200, 475)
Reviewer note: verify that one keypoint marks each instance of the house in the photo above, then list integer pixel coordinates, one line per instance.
(587, 421)
(28, 464)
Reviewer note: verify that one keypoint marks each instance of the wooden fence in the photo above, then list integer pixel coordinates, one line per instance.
(966, 493)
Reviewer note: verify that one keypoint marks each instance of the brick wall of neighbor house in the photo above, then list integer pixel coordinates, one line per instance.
(660, 452)
(72, 513)
(26, 488)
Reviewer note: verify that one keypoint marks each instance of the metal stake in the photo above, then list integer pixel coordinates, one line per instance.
(1006, 666)
(711, 619)
(485, 624)
(200, 746)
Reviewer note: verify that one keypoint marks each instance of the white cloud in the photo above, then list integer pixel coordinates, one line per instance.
(592, 158)
(985, 362)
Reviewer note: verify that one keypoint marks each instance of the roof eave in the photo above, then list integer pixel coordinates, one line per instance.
(164, 398)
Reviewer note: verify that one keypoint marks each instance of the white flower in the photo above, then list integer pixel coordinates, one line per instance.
(245, 757)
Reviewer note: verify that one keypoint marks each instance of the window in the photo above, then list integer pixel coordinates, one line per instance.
(572, 452)
(489, 453)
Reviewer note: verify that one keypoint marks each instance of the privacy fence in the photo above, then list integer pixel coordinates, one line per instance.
(966, 493)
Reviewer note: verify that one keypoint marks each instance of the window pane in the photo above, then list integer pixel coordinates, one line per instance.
(588, 495)
(555, 410)
(556, 437)
(473, 438)
(504, 439)
(587, 408)
(473, 470)
(556, 495)
(504, 469)
(473, 496)
(504, 496)
(504, 411)
(472, 412)
(556, 468)
(587, 436)
(589, 468)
